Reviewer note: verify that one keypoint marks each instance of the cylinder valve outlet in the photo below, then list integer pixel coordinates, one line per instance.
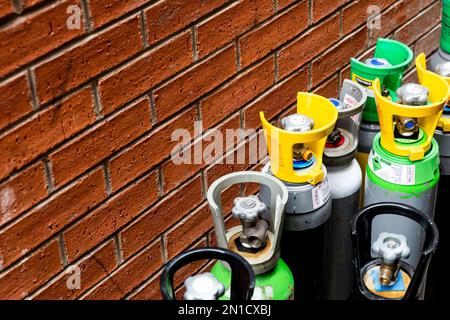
(299, 123)
(250, 211)
(411, 94)
(391, 248)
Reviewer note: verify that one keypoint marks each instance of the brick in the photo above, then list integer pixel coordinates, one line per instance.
(140, 75)
(110, 217)
(357, 13)
(30, 3)
(169, 16)
(329, 89)
(100, 142)
(426, 3)
(284, 3)
(190, 269)
(234, 161)
(45, 130)
(104, 11)
(195, 82)
(30, 273)
(239, 91)
(148, 152)
(15, 101)
(129, 275)
(32, 35)
(271, 35)
(282, 96)
(410, 76)
(94, 55)
(395, 16)
(50, 217)
(176, 173)
(188, 230)
(5, 8)
(308, 46)
(150, 291)
(322, 8)
(160, 217)
(345, 72)
(229, 23)
(339, 56)
(92, 268)
(419, 25)
(230, 222)
(429, 42)
(22, 192)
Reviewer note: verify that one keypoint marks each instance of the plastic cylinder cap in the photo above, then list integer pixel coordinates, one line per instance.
(410, 124)
(378, 62)
(391, 247)
(413, 94)
(203, 287)
(297, 123)
(248, 208)
(338, 104)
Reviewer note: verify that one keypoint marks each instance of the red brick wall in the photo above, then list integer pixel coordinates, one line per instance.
(86, 117)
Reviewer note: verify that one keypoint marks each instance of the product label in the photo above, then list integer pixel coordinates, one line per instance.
(390, 172)
(350, 101)
(321, 194)
(368, 84)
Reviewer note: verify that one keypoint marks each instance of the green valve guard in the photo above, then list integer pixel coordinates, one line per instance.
(398, 56)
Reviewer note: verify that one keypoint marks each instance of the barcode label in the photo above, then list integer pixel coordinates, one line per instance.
(321, 194)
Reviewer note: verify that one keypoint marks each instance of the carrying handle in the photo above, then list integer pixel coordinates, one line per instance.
(242, 275)
(361, 226)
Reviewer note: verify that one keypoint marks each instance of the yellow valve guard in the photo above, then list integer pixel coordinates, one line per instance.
(421, 64)
(428, 116)
(280, 142)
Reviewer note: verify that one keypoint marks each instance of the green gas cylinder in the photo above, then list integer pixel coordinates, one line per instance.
(257, 238)
(278, 284)
(391, 59)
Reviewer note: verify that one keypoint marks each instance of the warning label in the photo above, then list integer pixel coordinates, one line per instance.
(390, 172)
(368, 84)
(321, 194)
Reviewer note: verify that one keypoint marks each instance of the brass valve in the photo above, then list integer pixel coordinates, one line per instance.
(301, 152)
(299, 123)
(254, 229)
(391, 248)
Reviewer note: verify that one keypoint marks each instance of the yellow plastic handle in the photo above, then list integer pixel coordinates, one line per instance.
(421, 65)
(280, 142)
(428, 116)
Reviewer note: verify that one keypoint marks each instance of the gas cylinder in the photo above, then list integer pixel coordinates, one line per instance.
(390, 61)
(295, 153)
(437, 281)
(380, 259)
(443, 54)
(345, 178)
(258, 236)
(205, 286)
(403, 165)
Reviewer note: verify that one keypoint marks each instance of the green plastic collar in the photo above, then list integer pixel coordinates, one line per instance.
(425, 171)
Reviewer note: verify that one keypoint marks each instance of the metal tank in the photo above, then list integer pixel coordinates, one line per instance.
(345, 179)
